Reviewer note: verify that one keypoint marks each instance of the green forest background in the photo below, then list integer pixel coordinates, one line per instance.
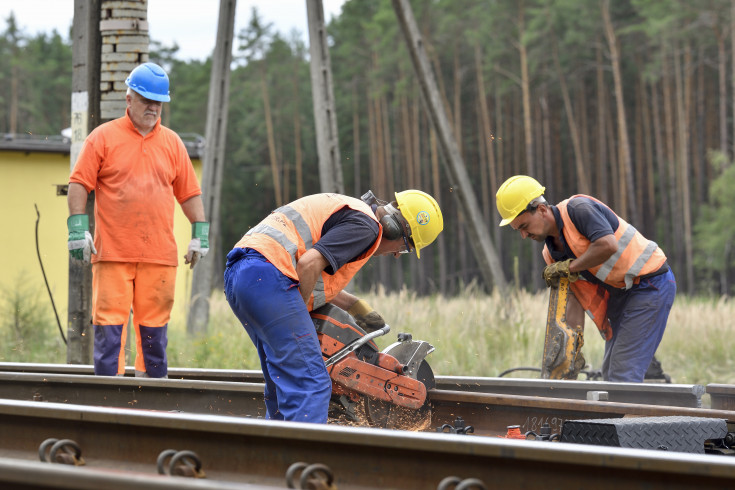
(630, 101)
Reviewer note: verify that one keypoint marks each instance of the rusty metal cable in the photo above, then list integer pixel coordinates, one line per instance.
(45, 280)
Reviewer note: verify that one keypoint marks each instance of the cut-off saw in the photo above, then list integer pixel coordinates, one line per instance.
(369, 387)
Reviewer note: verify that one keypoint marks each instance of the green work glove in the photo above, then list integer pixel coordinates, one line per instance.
(365, 317)
(199, 244)
(81, 243)
(555, 270)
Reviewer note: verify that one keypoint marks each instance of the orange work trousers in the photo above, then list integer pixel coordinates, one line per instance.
(149, 290)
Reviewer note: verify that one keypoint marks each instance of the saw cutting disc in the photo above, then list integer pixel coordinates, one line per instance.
(383, 414)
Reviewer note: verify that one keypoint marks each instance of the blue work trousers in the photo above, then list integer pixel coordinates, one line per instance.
(272, 311)
(638, 318)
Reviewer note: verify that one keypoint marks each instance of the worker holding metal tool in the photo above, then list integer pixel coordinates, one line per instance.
(301, 257)
(137, 168)
(622, 280)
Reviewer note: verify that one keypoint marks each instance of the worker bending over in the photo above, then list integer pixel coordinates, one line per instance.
(299, 258)
(622, 279)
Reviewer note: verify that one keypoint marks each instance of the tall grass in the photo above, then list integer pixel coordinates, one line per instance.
(474, 334)
(28, 329)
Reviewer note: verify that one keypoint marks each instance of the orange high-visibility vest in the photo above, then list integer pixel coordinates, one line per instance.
(289, 231)
(636, 256)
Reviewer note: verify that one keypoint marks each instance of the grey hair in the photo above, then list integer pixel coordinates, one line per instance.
(539, 200)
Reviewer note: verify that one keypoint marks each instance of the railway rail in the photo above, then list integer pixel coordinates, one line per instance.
(102, 414)
(488, 413)
(260, 452)
(681, 395)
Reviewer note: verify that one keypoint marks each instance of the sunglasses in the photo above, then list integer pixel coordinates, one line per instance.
(410, 247)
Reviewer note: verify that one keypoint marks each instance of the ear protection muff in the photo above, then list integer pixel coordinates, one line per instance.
(392, 229)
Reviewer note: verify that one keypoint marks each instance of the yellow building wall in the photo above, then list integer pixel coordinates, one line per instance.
(31, 178)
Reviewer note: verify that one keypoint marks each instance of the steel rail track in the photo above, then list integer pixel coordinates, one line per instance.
(488, 413)
(681, 395)
(492, 414)
(15, 473)
(259, 452)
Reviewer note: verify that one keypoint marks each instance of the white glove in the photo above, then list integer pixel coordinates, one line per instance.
(196, 251)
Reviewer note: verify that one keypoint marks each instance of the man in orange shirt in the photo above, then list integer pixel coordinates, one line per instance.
(136, 167)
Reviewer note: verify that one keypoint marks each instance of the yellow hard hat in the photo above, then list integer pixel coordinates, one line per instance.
(514, 196)
(423, 215)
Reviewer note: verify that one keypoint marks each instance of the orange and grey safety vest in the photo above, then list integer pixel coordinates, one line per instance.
(636, 256)
(289, 231)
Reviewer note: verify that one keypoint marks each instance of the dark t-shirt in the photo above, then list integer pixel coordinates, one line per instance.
(346, 235)
(592, 219)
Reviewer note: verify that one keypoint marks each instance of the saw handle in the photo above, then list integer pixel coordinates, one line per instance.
(340, 354)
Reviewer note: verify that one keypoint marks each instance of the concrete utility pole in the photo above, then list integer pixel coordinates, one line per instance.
(322, 91)
(213, 163)
(482, 246)
(85, 109)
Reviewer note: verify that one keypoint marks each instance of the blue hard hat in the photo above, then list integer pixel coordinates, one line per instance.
(150, 81)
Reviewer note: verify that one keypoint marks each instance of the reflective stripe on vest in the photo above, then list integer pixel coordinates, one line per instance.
(636, 255)
(286, 234)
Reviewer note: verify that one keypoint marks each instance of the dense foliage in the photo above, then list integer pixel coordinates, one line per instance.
(630, 101)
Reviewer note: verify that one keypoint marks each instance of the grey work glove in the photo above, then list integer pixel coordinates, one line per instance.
(81, 243)
(199, 244)
(365, 316)
(555, 270)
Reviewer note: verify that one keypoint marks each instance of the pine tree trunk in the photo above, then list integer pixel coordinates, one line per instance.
(670, 146)
(650, 174)
(683, 167)
(13, 110)
(579, 163)
(298, 155)
(388, 150)
(275, 171)
(732, 49)
(356, 150)
(489, 172)
(625, 160)
(664, 207)
(602, 177)
(482, 159)
(526, 89)
(614, 185)
(699, 158)
(640, 165)
(722, 85)
(436, 186)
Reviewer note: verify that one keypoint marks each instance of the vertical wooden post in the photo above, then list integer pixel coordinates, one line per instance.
(325, 114)
(213, 163)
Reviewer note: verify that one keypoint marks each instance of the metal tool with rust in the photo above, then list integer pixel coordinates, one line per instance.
(562, 358)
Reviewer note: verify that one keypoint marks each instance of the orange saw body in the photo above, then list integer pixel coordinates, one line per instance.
(361, 374)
